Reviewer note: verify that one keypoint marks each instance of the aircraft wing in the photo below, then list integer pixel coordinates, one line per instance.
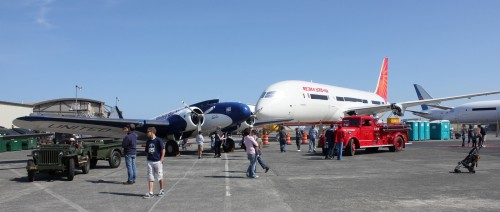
(6, 137)
(419, 112)
(76, 125)
(399, 108)
(274, 121)
(441, 107)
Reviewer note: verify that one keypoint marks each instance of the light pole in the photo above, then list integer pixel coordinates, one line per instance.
(116, 101)
(76, 96)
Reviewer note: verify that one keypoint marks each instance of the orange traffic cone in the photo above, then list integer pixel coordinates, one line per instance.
(304, 138)
(265, 139)
(288, 142)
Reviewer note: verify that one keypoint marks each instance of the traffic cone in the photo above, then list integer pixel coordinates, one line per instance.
(304, 138)
(265, 138)
(288, 142)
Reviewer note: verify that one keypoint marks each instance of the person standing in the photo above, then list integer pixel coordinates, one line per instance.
(298, 136)
(481, 134)
(330, 139)
(155, 150)
(469, 134)
(251, 145)
(258, 153)
(281, 138)
(218, 141)
(338, 142)
(463, 132)
(313, 134)
(129, 144)
(212, 141)
(199, 141)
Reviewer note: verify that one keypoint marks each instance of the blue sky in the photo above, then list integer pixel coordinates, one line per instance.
(154, 54)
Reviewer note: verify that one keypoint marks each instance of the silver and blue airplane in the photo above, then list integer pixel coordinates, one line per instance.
(172, 126)
(472, 112)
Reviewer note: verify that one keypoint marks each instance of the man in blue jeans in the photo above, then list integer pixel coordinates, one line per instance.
(129, 144)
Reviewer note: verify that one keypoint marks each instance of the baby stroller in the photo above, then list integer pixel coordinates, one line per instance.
(470, 161)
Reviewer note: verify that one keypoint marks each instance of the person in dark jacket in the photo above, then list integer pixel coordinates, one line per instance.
(129, 144)
(330, 139)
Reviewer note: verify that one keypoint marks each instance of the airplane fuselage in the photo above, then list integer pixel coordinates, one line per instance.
(311, 102)
(474, 112)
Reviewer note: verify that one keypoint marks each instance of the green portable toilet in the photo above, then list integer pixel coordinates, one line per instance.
(421, 130)
(29, 143)
(427, 130)
(3, 144)
(413, 134)
(14, 145)
(440, 130)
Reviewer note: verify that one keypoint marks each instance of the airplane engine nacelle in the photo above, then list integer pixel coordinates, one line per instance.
(247, 123)
(193, 116)
(397, 109)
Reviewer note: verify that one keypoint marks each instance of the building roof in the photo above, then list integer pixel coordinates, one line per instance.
(68, 99)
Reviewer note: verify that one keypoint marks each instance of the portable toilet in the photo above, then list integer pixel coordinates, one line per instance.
(427, 130)
(421, 130)
(440, 130)
(413, 134)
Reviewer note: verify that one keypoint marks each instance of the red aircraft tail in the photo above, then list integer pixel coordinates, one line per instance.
(381, 89)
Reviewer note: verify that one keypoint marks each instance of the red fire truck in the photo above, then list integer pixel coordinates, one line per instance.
(363, 132)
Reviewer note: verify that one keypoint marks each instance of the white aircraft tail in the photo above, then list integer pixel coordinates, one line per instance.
(382, 84)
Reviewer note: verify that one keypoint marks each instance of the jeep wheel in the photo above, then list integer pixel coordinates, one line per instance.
(115, 159)
(86, 167)
(171, 148)
(71, 169)
(93, 163)
(351, 148)
(31, 173)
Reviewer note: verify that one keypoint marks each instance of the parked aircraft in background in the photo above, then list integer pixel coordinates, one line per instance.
(314, 103)
(172, 126)
(473, 112)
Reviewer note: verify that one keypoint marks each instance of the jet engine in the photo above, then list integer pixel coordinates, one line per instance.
(397, 109)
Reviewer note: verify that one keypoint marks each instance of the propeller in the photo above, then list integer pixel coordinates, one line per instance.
(197, 116)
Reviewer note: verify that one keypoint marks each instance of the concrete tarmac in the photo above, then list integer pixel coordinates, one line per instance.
(419, 178)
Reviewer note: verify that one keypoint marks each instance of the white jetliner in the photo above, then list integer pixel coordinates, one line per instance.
(310, 103)
(473, 112)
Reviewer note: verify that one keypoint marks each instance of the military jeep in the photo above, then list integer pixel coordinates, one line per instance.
(66, 158)
(59, 158)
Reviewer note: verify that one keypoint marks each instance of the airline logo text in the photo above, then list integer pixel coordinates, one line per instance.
(321, 90)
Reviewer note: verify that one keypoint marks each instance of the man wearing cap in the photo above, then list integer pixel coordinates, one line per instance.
(129, 149)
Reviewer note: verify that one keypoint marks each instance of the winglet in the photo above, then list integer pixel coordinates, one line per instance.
(381, 89)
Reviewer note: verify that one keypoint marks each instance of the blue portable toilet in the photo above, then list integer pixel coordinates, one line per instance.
(413, 134)
(440, 130)
(427, 130)
(421, 130)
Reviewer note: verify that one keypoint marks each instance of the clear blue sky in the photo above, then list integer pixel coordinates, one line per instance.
(153, 54)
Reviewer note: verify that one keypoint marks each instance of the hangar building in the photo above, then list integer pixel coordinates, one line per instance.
(10, 111)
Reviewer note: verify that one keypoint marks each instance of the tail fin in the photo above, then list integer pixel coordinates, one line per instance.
(422, 94)
(381, 89)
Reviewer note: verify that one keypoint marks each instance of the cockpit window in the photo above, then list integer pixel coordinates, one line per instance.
(270, 94)
(263, 94)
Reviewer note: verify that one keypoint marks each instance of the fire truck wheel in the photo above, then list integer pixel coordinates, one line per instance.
(351, 148)
(398, 146)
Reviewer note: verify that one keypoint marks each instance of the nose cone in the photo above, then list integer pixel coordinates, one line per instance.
(242, 112)
(269, 110)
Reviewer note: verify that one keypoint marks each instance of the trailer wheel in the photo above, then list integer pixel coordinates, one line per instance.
(71, 169)
(115, 159)
(228, 145)
(31, 173)
(86, 167)
(351, 148)
(171, 148)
